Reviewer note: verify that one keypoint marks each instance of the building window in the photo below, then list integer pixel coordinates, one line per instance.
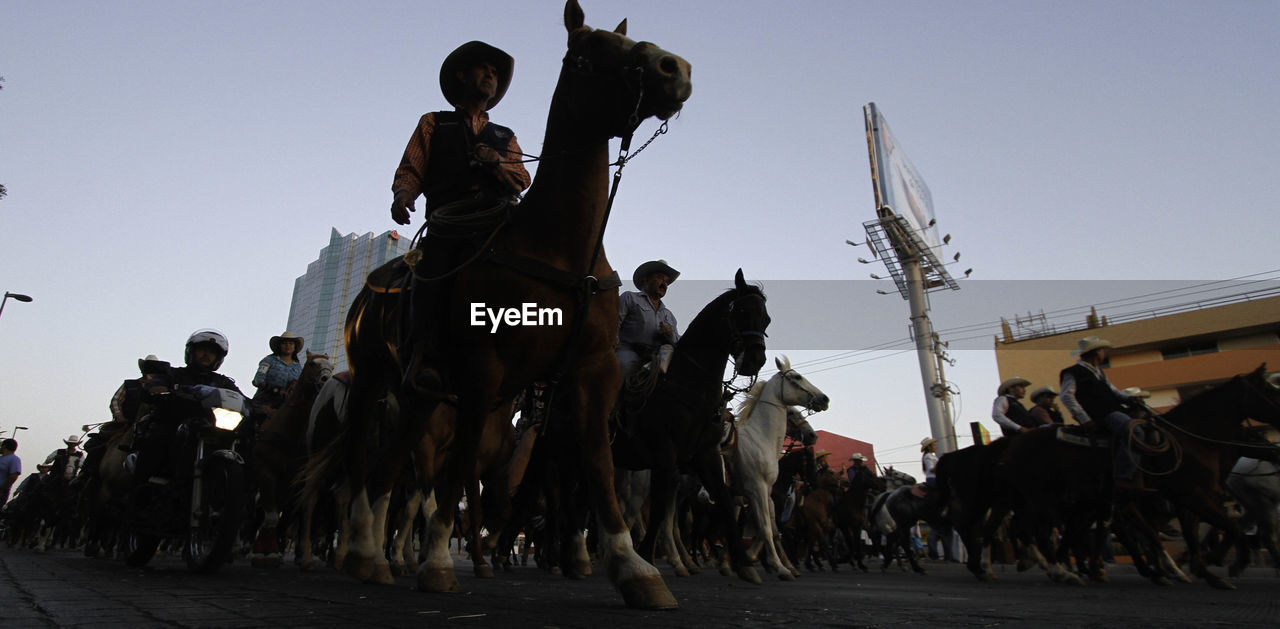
(1195, 349)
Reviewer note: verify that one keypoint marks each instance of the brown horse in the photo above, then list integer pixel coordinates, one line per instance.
(548, 253)
(279, 450)
(1209, 431)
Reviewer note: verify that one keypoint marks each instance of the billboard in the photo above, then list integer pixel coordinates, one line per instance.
(896, 181)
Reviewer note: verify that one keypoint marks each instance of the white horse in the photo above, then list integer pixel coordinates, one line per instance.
(1255, 484)
(762, 426)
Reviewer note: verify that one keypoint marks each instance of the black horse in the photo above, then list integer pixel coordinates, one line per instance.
(679, 426)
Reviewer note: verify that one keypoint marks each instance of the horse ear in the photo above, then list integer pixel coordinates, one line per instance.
(574, 18)
(622, 27)
(739, 281)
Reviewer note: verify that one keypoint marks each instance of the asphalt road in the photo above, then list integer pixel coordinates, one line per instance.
(64, 589)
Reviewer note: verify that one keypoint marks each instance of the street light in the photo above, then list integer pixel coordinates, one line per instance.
(16, 296)
(15, 431)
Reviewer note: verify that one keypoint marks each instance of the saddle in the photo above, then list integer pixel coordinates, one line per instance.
(1076, 436)
(393, 277)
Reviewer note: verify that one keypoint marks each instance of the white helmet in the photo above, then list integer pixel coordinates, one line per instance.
(208, 335)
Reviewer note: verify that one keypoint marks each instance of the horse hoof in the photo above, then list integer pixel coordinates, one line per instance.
(483, 571)
(682, 571)
(920, 571)
(1099, 577)
(579, 569)
(694, 569)
(308, 565)
(725, 571)
(1161, 580)
(1219, 582)
(1072, 579)
(785, 575)
(985, 576)
(647, 592)
(555, 571)
(438, 580)
(749, 574)
(361, 570)
(381, 575)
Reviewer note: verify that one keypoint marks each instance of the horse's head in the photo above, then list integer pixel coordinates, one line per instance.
(796, 390)
(317, 370)
(748, 319)
(798, 428)
(1261, 398)
(616, 81)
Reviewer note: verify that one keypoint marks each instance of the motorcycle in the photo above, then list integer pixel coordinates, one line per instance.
(197, 495)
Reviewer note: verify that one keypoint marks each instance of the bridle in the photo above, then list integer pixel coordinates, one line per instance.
(738, 343)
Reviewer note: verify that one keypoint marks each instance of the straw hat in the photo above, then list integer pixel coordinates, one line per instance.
(857, 456)
(820, 453)
(73, 440)
(926, 442)
(652, 266)
(1090, 343)
(1043, 390)
(467, 55)
(1010, 383)
(274, 343)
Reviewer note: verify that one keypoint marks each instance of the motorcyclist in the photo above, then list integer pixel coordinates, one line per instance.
(204, 353)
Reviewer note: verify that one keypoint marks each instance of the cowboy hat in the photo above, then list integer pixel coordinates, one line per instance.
(1136, 392)
(652, 266)
(468, 55)
(926, 442)
(151, 364)
(1010, 383)
(73, 440)
(1043, 390)
(820, 453)
(1090, 343)
(274, 343)
(857, 456)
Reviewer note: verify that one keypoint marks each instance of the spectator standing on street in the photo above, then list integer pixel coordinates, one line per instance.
(10, 467)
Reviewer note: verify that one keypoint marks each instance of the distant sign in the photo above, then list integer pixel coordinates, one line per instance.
(897, 183)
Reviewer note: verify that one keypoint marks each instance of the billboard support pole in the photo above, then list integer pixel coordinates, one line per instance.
(922, 330)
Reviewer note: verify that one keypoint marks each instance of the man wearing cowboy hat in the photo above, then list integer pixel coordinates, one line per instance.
(459, 154)
(455, 158)
(645, 324)
(75, 456)
(126, 403)
(928, 459)
(1097, 404)
(1043, 409)
(857, 465)
(278, 370)
(1008, 410)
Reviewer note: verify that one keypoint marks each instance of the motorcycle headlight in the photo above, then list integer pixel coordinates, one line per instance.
(226, 419)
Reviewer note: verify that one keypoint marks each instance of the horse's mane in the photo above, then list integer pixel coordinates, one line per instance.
(749, 403)
(1203, 401)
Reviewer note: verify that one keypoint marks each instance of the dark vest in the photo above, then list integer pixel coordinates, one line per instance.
(132, 399)
(450, 175)
(1020, 416)
(1095, 395)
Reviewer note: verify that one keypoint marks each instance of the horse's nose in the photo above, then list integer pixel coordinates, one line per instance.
(676, 74)
(821, 403)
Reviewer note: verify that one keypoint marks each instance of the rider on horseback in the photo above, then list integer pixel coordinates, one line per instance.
(461, 160)
(1098, 405)
(126, 406)
(277, 371)
(1008, 410)
(645, 324)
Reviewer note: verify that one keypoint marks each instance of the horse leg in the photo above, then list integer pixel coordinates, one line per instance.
(403, 562)
(475, 516)
(1204, 505)
(710, 470)
(435, 573)
(639, 582)
(666, 537)
(762, 509)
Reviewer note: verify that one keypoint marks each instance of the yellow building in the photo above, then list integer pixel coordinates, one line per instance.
(1171, 356)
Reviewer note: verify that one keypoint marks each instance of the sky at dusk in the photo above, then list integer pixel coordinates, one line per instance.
(176, 165)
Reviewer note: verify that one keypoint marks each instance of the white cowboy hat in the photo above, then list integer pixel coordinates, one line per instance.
(73, 440)
(274, 343)
(1043, 390)
(1010, 383)
(468, 55)
(1090, 343)
(1136, 392)
(926, 442)
(652, 266)
(857, 456)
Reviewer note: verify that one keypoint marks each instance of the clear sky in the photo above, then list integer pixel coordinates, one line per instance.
(175, 165)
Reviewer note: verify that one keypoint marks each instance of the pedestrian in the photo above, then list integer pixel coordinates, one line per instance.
(1008, 410)
(10, 467)
(1044, 407)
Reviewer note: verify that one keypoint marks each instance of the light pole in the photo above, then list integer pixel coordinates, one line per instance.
(14, 434)
(15, 296)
